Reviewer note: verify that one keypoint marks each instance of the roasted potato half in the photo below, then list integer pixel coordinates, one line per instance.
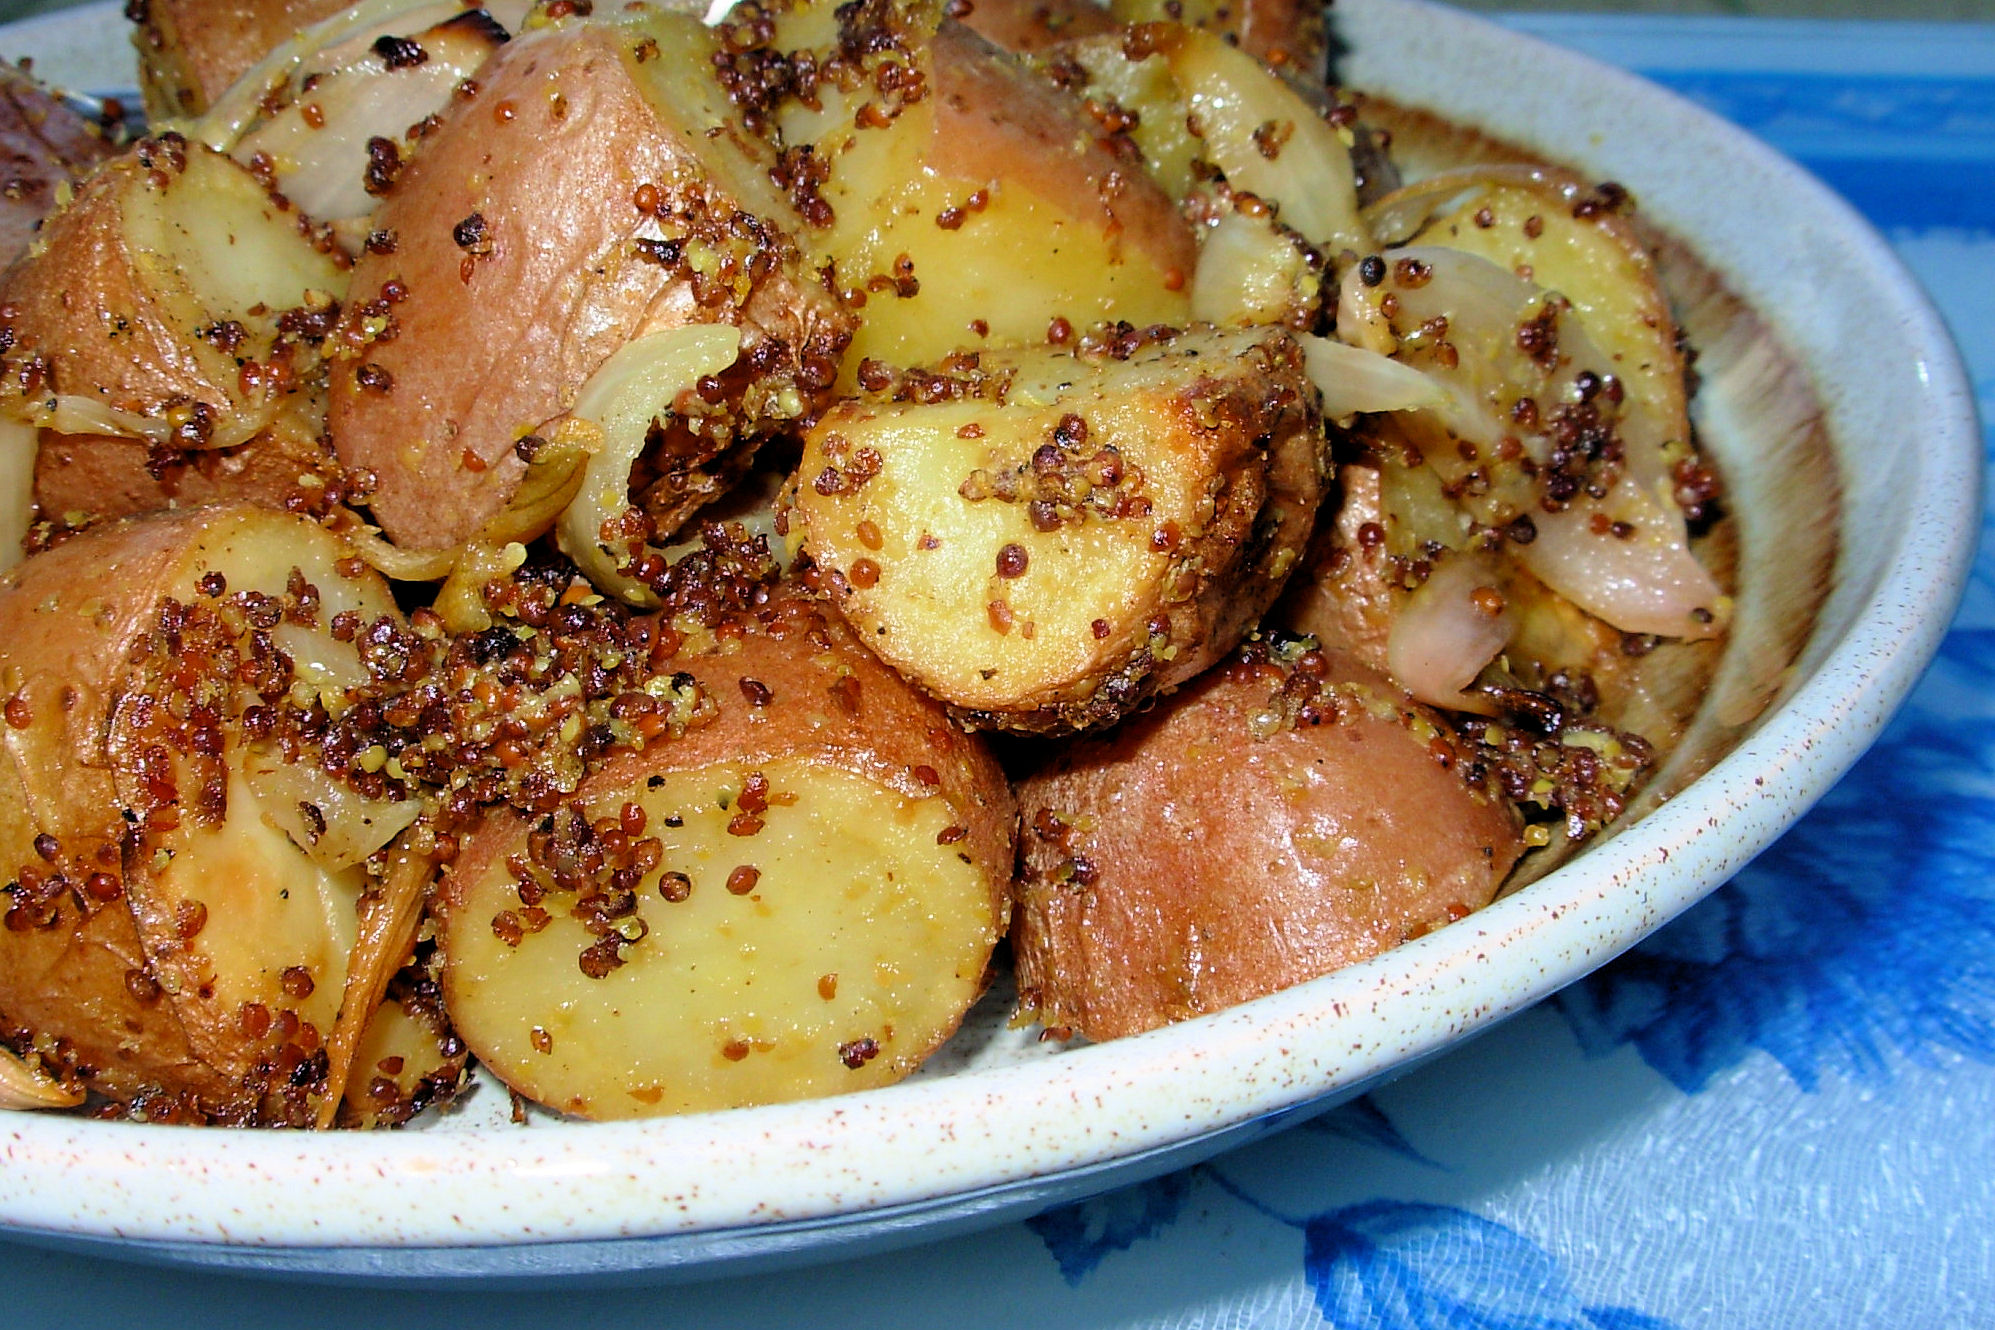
(961, 200)
(171, 300)
(598, 187)
(1042, 539)
(798, 899)
(1286, 814)
(183, 870)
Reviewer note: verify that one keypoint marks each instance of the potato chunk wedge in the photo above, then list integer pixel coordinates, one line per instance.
(975, 203)
(172, 300)
(798, 899)
(1042, 540)
(1277, 819)
(168, 944)
(598, 187)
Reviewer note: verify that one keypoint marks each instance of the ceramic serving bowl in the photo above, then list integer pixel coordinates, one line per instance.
(1838, 410)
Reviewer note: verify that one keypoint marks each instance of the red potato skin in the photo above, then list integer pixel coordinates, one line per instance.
(67, 617)
(57, 304)
(99, 476)
(1180, 865)
(827, 696)
(997, 120)
(94, 956)
(42, 144)
(488, 346)
(190, 51)
(1344, 595)
(1028, 27)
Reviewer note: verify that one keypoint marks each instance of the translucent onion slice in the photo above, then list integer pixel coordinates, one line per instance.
(18, 443)
(1353, 379)
(1244, 114)
(73, 413)
(461, 602)
(1624, 558)
(222, 125)
(1249, 273)
(24, 1087)
(323, 815)
(1645, 582)
(1402, 214)
(389, 919)
(1452, 626)
(635, 386)
(317, 146)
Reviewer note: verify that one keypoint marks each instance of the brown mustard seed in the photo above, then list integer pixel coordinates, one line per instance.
(743, 879)
(1012, 561)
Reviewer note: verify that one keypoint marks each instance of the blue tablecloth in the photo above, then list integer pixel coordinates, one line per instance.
(1780, 1111)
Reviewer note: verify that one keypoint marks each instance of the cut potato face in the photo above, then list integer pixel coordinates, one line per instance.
(207, 304)
(1043, 540)
(826, 953)
(799, 898)
(977, 205)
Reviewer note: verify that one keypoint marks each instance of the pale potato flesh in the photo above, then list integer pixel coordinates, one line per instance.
(1215, 452)
(189, 268)
(216, 930)
(991, 203)
(859, 927)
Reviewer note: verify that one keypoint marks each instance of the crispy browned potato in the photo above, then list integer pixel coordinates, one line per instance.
(598, 187)
(181, 898)
(171, 300)
(191, 50)
(1041, 540)
(1275, 820)
(43, 145)
(798, 899)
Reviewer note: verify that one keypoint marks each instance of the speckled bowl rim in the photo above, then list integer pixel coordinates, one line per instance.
(935, 1143)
